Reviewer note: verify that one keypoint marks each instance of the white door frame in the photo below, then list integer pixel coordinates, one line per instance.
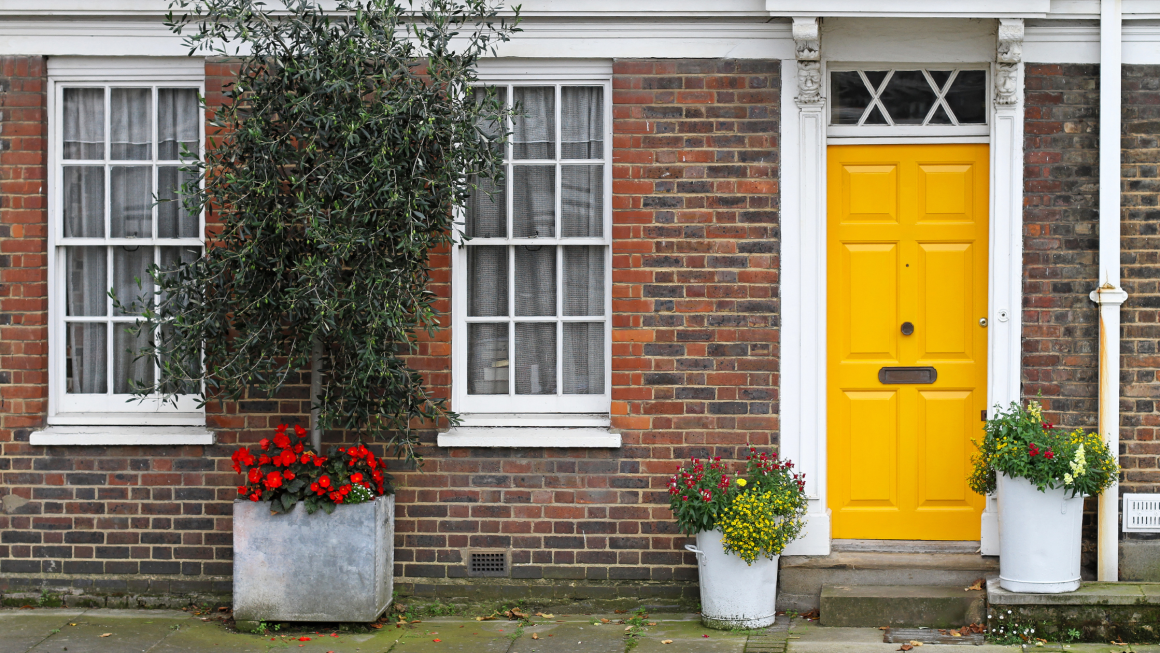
(803, 274)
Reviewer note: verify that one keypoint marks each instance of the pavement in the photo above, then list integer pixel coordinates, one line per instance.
(44, 630)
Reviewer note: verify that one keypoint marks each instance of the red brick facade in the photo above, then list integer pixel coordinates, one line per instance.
(694, 373)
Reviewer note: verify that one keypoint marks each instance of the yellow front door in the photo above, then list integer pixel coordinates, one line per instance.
(907, 288)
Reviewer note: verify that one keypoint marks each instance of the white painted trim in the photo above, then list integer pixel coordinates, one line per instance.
(803, 306)
(904, 140)
(525, 438)
(124, 69)
(887, 131)
(910, 8)
(513, 69)
(122, 435)
(525, 420)
(1108, 293)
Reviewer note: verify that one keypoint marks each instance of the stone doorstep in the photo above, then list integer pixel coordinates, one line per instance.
(870, 606)
(1088, 594)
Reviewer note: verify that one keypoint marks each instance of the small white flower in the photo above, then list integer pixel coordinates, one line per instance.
(1008, 612)
(1000, 616)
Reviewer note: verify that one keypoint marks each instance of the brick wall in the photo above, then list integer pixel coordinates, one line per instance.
(1140, 274)
(694, 373)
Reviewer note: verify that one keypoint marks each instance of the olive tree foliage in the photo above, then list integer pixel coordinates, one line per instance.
(349, 141)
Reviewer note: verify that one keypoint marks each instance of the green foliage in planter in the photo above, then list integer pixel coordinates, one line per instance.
(348, 141)
(1020, 444)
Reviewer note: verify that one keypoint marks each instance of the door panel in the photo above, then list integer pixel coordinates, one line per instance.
(907, 230)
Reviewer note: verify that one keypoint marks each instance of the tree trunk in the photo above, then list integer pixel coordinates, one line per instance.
(315, 390)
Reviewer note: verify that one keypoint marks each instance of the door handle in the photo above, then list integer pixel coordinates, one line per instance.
(907, 375)
(907, 328)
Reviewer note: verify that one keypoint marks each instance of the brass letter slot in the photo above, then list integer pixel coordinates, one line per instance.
(907, 375)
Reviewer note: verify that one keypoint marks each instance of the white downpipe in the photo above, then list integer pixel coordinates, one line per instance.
(1108, 294)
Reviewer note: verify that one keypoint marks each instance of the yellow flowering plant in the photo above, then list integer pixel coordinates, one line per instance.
(1021, 444)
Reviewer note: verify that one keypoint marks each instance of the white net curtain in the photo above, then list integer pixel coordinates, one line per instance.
(121, 150)
(531, 289)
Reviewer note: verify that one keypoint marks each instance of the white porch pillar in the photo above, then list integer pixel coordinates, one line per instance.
(1108, 294)
(1005, 327)
(803, 279)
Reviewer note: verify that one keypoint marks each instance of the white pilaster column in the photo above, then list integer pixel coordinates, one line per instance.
(1005, 326)
(803, 280)
(1108, 293)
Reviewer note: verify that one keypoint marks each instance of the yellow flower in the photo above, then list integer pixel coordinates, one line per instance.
(741, 482)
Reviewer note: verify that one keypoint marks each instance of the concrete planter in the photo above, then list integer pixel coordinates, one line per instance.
(1039, 538)
(734, 594)
(320, 567)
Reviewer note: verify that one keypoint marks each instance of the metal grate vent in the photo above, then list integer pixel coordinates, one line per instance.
(1142, 513)
(487, 563)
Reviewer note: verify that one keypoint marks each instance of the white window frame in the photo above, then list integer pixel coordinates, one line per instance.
(536, 420)
(866, 132)
(108, 418)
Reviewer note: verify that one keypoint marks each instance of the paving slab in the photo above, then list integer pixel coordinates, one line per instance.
(20, 630)
(126, 631)
(689, 635)
(460, 634)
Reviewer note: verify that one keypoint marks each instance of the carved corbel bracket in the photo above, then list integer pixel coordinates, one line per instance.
(1008, 55)
(807, 40)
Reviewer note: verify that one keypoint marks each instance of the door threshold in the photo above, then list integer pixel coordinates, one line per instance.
(906, 546)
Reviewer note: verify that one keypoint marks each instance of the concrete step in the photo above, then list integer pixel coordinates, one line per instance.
(912, 606)
(801, 578)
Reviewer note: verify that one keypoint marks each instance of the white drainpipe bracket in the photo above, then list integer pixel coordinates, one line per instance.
(1108, 294)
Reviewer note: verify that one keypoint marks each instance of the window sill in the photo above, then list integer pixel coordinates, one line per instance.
(122, 435)
(531, 435)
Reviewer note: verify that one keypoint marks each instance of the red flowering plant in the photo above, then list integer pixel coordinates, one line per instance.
(698, 493)
(286, 470)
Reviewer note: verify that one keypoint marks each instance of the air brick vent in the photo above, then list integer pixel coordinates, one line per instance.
(1142, 513)
(487, 563)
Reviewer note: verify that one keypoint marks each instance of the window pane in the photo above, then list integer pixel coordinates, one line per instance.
(535, 127)
(492, 129)
(487, 281)
(127, 365)
(84, 123)
(487, 210)
(86, 287)
(908, 97)
(582, 122)
(876, 77)
(131, 124)
(940, 117)
(535, 280)
(940, 77)
(850, 97)
(178, 383)
(173, 219)
(584, 281)
(535, 358)
(583, 358)
(582, 201)
(130, 202)
(487, 359)
(875, 117)
(177, 122)
(173, 257)
(84, 202)
(85, 358)
(534, 201)
(968, 97)
(129, 267)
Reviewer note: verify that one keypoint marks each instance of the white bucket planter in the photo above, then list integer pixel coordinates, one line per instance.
(320, 567)
(734, 594)
(1039, 538)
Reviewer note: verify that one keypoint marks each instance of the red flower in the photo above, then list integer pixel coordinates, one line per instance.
(1033, 450)
(289, 457)
(265, 443)
(255, 475)
(305, 458)
(263, 459)
(281, 428)
(345, 490)
(255, 496)
(324, 481)
(304, 639)
(336, 497)
(242, 489)
(298, 448)
(1049, 455)
(273, 480)
(356, 477)
(288, 475)
(319, 461)
(299, 431)
(314, 487)
(281, 441)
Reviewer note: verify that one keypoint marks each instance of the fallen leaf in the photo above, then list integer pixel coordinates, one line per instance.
(604, 621)
(535, 636)
(652, 623)
(705, 636)
(399, 607)
(416, 621)
(545, 615)
(915, 643)
(223, 609)
(627, 628)
(487, 618)
(107, 635)
(666, 641)
(905, 647)
(72, 624)
(377, 626)
(978, 585)
(551, 635)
